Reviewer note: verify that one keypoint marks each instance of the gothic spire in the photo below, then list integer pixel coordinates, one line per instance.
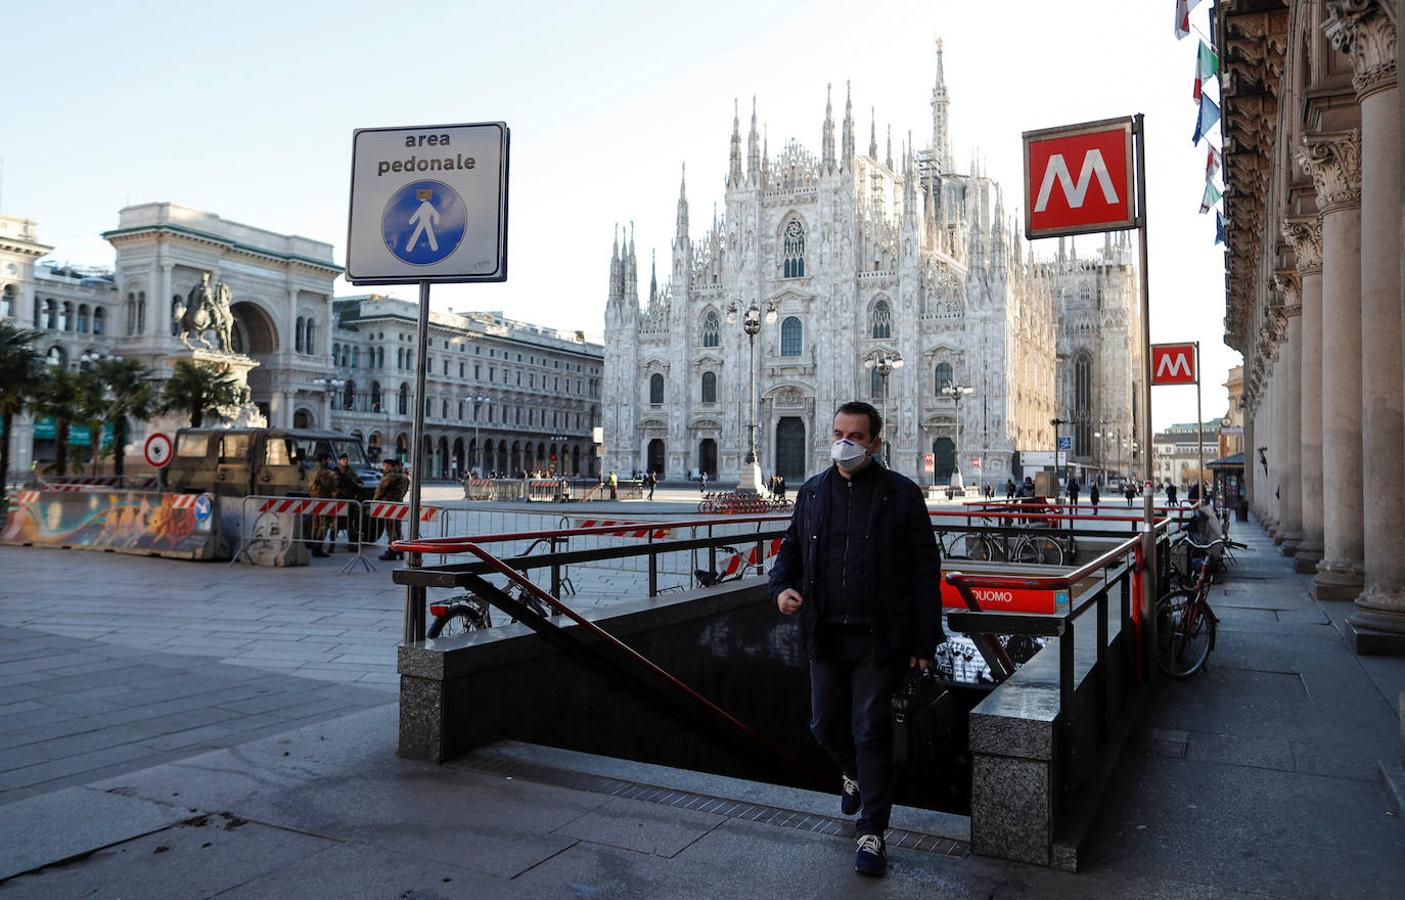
(941, 135)
(616, 270)
(653, 279)
(734, 176)
(753, 148)
(888, 161)
(765, 156)
(847, 158)
(827, 139)
(683, 204)
(872, 134)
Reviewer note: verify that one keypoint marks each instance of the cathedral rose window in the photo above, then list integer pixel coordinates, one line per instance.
(793, 250)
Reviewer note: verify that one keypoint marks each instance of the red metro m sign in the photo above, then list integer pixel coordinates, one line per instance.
(1174, 364)
(1079, 179)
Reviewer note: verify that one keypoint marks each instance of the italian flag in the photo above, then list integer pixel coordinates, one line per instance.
(1183, 8)
(1207, 66)
(1212, 196)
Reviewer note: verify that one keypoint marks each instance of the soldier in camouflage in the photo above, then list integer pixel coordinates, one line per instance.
(321, 483)
(394, 485)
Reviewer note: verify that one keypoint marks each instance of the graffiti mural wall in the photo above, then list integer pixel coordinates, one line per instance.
(180, 526)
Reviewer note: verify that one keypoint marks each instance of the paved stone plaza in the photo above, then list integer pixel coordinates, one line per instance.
(163, 753)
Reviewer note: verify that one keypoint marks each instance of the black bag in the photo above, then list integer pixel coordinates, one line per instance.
(923, 717)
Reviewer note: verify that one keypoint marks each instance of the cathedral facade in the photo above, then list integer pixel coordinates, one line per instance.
(852, 261)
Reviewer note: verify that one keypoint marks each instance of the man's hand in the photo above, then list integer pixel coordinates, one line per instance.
(919, 663)
(789, 601)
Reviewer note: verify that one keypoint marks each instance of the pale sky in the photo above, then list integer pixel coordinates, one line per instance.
(247, 110)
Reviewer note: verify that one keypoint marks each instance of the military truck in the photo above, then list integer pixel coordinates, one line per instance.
(238, 462)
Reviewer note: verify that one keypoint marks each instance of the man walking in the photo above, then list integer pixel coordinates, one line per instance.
(1073, 488)
(861, 566)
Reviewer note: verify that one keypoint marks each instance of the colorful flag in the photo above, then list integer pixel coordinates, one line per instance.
(1219, 227)
(1212, 196)
(1183, 8)
(1209, 115)
(1207, 65)
(1212, 162)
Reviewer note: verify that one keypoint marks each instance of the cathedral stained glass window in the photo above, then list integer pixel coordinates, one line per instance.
(709, 387)
(791, 333)
(712, 330)
(793, 250)
(882, 325)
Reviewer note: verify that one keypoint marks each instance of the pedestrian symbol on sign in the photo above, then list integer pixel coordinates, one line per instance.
(424, 222)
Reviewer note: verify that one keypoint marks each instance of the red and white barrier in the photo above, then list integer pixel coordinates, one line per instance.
(751, 558)
(397, 511)
(638, 529)
(305, 506)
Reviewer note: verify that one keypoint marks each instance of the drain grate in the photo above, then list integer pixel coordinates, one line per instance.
(487, 764)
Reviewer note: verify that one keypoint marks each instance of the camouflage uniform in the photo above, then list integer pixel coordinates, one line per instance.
(348, 488)
(321, 483)
(393, 487)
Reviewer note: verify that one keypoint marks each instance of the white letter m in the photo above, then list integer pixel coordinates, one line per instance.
(1174, 364)
(1092, 165)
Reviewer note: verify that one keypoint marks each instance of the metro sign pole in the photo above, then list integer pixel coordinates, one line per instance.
(1180, 364)
(1081, 179)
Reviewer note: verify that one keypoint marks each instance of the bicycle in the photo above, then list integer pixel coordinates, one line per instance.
(1025, 548)
(1185, 623)
(468, 612)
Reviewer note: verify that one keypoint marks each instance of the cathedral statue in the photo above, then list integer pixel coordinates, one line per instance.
(206, 309)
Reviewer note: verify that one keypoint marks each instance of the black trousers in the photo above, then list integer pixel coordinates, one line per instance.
(851, 717)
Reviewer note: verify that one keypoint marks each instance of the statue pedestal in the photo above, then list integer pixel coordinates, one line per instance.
(239, 415)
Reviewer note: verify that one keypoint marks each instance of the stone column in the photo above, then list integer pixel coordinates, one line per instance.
(1305, 234)
(1251, 458)
(1333, 159)
(1274, 440)
(1366, 32)
(1290, 373)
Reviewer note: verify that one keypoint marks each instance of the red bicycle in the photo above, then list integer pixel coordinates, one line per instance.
(1185, 623)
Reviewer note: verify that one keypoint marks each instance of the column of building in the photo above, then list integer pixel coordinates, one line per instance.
(1290, 373)
(1333, 159)
(1367, 32)
(1304, 233)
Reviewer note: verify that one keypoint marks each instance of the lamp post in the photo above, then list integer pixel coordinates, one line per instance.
(884, 363)
(1056, 422)
(750, 481)
(477, 444)
(329, 387)
(956, 390)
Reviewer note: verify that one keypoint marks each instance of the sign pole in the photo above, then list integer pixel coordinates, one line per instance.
(1199, 432)
(414, 596)
(1149, 501)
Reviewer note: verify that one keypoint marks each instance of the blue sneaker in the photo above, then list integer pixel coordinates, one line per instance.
(849, 802)
(872, 857)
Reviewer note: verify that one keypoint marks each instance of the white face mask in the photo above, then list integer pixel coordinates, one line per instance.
(848, 455)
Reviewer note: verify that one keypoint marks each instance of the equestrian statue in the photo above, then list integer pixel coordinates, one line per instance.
(206, 308)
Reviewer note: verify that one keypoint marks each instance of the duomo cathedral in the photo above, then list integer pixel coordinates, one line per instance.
(851, 257)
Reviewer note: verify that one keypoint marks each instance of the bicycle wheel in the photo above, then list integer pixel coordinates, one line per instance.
(1185, 633)
(1039, 549)
(967, 546)
(458, 619)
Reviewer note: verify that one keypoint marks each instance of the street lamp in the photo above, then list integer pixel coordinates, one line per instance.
(477, 444)
(750, 481)
(956, 390)
(329, 387)
(1056, 422)
(885, 362)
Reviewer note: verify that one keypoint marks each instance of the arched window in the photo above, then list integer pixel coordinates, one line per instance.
(881, 325)
(875, 384)
(944, 378)
(404, 399)
(1083, 405)
(141, 312)
(99, 320)
(656, 389)
(350, 400)
(336, 355)
(83, 318)
(309, 341)
(298, 334)
(375, 396)
(7, 301)
(355, 357)
(399, 357)
(712, 330)
(410, 362)
(793, 250)
(791, 334)
(131, 314)
(56, 357)
(66, 319)
(709, 387)
(51, 314)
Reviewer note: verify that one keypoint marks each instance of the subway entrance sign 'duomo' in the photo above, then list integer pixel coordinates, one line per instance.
(1079, 179)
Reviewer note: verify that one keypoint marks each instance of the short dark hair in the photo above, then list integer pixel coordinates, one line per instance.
(860, 408)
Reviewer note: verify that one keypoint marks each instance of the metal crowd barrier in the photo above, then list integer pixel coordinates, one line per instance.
(279, 531)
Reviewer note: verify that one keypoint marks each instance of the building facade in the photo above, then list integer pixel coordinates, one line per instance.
(1176, 452)
(320, 361)
(861, 256)
(1315, 196)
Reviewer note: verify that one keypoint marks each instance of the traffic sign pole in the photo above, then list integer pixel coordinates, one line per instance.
(1149, 501)
(1199, 432)
(414, 596)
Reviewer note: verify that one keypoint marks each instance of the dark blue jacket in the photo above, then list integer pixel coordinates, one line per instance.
(904, 565)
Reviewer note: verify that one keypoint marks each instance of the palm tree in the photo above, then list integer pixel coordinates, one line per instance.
(56, 395)
(196, 390)
(128, 392)
(19, 373)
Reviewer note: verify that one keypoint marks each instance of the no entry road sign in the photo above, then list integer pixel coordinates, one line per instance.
(158, 450)
(1079, 179)
(428, 203)
(1173, 364)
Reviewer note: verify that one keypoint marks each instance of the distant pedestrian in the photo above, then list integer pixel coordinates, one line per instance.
(1094, 497)
(702, 482)
(614, 486)
(1009, 489)
(1192, 496)
(1171, 495)
(651, 480)
(1128, 491)
(1073, 487)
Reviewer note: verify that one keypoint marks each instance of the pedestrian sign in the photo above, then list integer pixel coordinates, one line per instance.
(423, 223)
(1065, 442)
(428, 204)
